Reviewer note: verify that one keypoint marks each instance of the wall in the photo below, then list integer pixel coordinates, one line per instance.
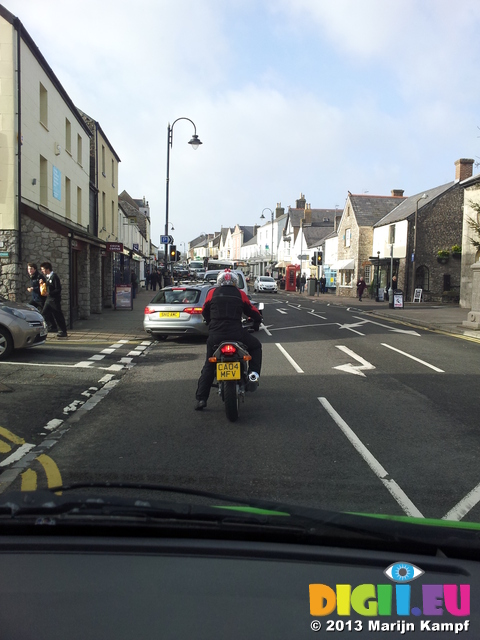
(469, 252)
(8, 137)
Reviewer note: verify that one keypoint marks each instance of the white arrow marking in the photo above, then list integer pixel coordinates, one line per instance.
(282, 311)
(350, 368)
(350, 327)
(262, 326)
(385, 326)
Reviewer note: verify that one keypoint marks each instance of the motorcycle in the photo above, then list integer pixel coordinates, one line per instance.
(232, 377)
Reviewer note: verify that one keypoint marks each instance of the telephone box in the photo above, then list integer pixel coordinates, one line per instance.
(291, 277)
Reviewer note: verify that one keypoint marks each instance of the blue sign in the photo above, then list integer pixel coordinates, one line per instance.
(57, 183)
(163, 239)
(135, 247)
(413, 257)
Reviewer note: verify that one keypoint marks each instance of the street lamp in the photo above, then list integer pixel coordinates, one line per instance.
(195, 142)
(415, 244)
(262, 217)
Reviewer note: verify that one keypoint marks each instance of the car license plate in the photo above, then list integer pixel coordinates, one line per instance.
(228, 370)
(168, 314)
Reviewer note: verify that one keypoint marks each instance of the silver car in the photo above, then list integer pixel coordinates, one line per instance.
(212, 274)
(21, 326)
(265, 283)
(177, 310)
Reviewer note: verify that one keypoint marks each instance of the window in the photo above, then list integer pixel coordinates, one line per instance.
(79, 150)
(79, 205)
(391, 234)
(103, 162)
(43, 106)
(113, 172)
(68, 136)
(422, 278)
(68, 204)
(43, 181)
(104, 213)
(348, 237)
(113, 217)
(368, 273)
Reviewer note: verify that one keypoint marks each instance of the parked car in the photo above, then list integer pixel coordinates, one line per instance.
(211, 277)
(176, 310)
(265, 283)
(21, 326)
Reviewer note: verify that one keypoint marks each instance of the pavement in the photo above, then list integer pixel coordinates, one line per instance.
(127, 324)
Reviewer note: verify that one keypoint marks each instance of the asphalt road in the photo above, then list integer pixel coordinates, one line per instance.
(352, 413)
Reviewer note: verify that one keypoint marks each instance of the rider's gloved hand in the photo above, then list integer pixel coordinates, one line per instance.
(256, 326)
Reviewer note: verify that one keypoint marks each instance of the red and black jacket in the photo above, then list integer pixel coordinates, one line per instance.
(224, 308)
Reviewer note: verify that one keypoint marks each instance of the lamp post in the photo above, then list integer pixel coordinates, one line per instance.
(423, 197)
(262, 217)
(195, 142)
(378, 275)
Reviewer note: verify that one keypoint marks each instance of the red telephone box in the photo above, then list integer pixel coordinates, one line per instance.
(291, 277)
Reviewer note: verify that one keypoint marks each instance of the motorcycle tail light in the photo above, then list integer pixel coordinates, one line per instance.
(212, 359)
(247, 357)
(192, 310)
(228, 349)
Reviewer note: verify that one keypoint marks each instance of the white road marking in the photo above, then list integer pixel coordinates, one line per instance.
(290, 359)
(282, 311)
(147, 343)
(106, 378)
(312, 313)
(84, 363)
(385, 326)
(16, 455)
(303, 326)
(464, 506)
(262, 326)
(125, 360)
(97, 356)
(134, 353)
(400, 496)
(413, 358)
(107, 351)
(351, 368)
(350, 326)
(53, 424)
(115, 367)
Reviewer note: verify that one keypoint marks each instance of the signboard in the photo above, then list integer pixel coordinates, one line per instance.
(135, 246)
(123, 296)
(4, 254)
(117, 247)
(166, 240)
(398, 300)
(417, 296)
(381, 295)
(57, 183)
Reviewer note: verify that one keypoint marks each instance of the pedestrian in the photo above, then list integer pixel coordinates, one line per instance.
(361, 286)
(303, 281)
(315, 279)
(394, 283)
(38, 286)
(133, 280)
(323, 284)
(52, 309)
(223, 309)
(298, 283)
(153, 280)
(147, 279)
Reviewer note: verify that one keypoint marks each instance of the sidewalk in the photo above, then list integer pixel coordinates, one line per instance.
(446, 318)
(111, 324)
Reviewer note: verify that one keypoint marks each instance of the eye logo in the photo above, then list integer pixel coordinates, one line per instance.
(403, 572)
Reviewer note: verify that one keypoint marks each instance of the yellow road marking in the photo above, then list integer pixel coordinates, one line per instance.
(4, 447)
(11, 436)
(29, 480)
(54, 478)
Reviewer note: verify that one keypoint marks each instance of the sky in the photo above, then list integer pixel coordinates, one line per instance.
(318, 97)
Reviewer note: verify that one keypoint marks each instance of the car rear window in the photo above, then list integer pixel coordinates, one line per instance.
(177, 295)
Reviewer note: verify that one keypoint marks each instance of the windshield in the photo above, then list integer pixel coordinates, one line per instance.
(334, 153)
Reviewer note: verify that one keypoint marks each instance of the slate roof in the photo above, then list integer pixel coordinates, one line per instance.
(317, 216)
(369, 209)
(252, 241)
(316, 235)
(130, 209)
(407, 208)
(200, 241)
(247, 233)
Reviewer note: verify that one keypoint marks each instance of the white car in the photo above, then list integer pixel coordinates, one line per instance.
(265, 283)
(21, 326)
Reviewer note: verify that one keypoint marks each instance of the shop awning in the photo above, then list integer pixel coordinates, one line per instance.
(280, 265)
(342, 265)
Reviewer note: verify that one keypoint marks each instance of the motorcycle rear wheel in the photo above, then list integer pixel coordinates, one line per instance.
(231, 400)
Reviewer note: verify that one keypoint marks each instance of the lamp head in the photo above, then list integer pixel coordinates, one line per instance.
(195, 141)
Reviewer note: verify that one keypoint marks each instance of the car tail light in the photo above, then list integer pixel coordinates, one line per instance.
(228, 349)
(192, 310)
(149, 310)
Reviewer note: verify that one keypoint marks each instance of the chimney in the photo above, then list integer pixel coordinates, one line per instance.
(308, 215)
(279, 211)
(397, 193)
(301, 202)
(463, 169)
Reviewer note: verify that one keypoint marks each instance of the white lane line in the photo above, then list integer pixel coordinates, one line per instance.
(400, 496)
(303, 326)
(97, 357)
(53, 424)
(16, 455)
(295, 306)
(290, 359)
(125, 360)
(107, 351)
(413, 358)
(464, 506)
(385, 326)
(281, 311)
(317, 315)
(134, 353)
(262, 326)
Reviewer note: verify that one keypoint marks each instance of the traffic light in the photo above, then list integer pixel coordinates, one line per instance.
(314, 259)
(178, 256)
(173, 253)
(319, 256)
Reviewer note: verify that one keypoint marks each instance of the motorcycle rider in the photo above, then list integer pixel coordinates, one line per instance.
(223, 309)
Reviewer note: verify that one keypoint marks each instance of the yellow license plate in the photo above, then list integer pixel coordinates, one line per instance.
(228, 370)
(169, 314)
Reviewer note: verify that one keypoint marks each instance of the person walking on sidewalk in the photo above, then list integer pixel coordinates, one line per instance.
(361, 286)
(38, 281)
(303, 282)
(52, 310)
(323, 284)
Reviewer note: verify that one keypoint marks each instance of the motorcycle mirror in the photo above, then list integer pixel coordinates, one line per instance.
(261, 306)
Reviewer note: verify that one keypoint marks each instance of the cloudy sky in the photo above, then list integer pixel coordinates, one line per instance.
(288, 97)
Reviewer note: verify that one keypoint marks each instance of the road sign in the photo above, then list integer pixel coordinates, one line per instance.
(135, 246)
(164, 240)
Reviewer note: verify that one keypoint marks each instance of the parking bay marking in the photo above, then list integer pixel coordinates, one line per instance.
(409, 332)
(352, 368)
(400, 496)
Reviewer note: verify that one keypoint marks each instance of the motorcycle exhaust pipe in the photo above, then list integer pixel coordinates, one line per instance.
(253, 377)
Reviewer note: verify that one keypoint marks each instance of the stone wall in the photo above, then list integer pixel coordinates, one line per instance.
(95, 280)
(10, 277)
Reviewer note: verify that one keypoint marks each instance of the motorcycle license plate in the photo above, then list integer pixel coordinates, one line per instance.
(228, 370)
(169, 314)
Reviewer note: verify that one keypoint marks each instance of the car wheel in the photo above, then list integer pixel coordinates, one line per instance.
(160, 337)
(6, 344)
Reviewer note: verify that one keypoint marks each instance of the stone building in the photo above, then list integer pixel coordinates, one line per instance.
(470, 254)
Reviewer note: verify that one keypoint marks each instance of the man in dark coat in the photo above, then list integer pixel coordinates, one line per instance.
(35, 279)
(52, 310)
